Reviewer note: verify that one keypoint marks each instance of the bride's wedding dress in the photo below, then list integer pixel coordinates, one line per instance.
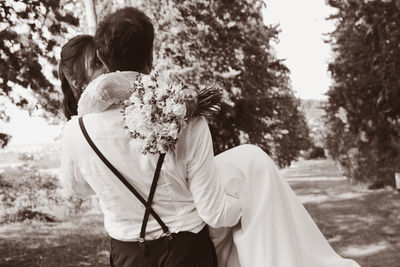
(275, 229)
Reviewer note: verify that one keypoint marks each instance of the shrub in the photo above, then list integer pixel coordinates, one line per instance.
(31, 194)
(4, 139)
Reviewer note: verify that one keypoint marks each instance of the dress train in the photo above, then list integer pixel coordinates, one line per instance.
(275, 228)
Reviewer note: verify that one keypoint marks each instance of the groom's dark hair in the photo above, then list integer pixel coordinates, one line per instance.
(124, 40)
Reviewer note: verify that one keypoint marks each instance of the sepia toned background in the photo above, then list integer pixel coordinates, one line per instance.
(315, 84)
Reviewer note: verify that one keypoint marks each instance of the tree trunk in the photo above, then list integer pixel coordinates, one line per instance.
(91, 17)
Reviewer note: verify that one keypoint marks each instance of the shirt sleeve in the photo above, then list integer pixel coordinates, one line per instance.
(214, 205)
(72, 181)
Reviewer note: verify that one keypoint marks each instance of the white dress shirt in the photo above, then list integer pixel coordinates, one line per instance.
(188, 193)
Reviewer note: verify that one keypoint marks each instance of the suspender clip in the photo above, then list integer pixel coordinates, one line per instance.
(168, 235)
(143, 246)
(141, 241)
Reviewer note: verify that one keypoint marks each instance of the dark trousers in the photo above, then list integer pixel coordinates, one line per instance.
(185, 249)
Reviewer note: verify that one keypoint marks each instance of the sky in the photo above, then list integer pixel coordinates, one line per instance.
(303, 25)
(29, 131)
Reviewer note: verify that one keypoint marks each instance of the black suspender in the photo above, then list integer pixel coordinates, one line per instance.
(150, 202)
(147, 204)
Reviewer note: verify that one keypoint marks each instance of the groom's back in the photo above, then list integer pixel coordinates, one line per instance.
(123, 212)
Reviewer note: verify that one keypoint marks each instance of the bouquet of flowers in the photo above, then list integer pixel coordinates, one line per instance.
(158, 110)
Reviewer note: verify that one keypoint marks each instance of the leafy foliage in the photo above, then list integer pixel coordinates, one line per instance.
(29, 193)
(228, 44)
(363, 109)
(314, 113)
(29, 35)
(226, 41)
(4, 139)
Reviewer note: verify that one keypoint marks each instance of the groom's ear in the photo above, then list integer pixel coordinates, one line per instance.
(102, 61)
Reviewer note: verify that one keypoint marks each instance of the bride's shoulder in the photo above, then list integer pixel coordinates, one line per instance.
(108, 85)
(106, 90)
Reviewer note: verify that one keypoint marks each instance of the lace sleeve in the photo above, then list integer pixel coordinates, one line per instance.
(107, 90)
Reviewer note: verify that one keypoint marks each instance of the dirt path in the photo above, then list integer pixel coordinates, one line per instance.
(360, 224)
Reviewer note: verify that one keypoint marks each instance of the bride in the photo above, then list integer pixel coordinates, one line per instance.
(243, 183)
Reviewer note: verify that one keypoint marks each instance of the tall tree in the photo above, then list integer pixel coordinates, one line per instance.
(29, 34)
(91, 16)
(363, 108)
(230, 45)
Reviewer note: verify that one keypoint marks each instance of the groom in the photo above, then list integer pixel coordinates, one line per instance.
(189, 196)
(124, 41)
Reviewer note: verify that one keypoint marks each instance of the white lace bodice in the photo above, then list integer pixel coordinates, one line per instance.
(106, 90)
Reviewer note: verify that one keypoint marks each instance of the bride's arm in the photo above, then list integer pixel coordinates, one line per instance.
(71, 179)
(214, 206)
(106, 90)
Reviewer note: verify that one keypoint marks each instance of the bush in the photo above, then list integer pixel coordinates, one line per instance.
(28, 193)
(26, 214)
(4, 139)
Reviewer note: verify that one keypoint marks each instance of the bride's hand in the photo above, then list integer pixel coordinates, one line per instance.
(191, 103)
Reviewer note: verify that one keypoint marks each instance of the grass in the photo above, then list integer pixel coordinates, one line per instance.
(80, 241)
(359, 224)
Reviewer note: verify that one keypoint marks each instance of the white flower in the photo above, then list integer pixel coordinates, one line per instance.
(176, 88)
(146, 110)
(164, 130)
(146, 80)
(179, 110)
(169, 105)
(19, 6)
(173, 130)
(161, 91)
(148, 96)
(174, 30)
(166, 110)
(156, 124)
(135, 99)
